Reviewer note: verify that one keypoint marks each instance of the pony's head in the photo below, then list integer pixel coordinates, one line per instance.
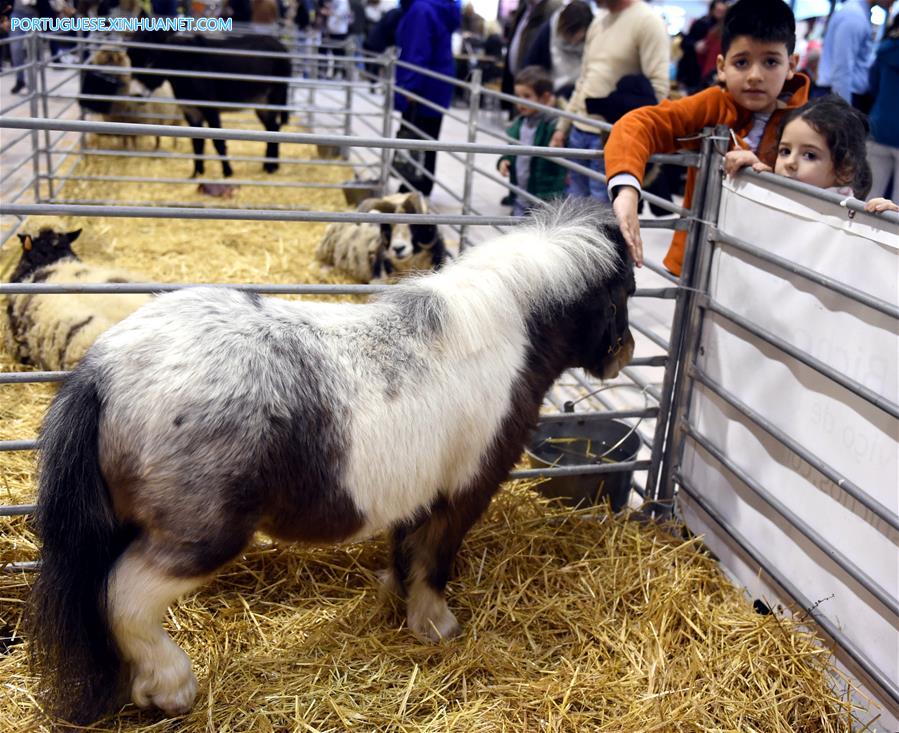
(604, 343)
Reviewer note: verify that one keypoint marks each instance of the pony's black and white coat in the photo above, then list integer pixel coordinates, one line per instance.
(210, 413)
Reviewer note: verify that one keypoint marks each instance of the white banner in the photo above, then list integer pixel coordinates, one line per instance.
(845, 431)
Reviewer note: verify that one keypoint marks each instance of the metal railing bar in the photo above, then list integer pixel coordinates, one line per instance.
(213, 51)
(17, 445)
(661, 271)
(15, 141)
(663, 293)
(187, 212)
(867, 394)
(654, 337)
(851, 489)
(124, 128)
(31, 377)
(858, 296)
(826, 625)
(206, 156)
(198, 181)
(822, 194)
(796, 522)
(584, 470)
(644, 384)
(13, 510)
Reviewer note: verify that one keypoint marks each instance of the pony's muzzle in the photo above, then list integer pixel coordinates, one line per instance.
(621, 354)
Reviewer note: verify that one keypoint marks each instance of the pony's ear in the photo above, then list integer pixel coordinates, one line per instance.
(25, 239)
(72, 236)
(385, 207)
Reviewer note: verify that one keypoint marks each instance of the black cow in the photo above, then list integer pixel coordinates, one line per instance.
(180, 56)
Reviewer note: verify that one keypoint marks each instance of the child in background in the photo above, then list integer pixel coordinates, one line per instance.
(760, 85)
(821, 144)
(539, 176)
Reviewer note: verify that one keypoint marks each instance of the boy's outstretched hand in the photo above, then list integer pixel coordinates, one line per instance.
(736, 160)
(625, 208)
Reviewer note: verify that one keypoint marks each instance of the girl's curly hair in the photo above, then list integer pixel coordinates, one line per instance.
(845, 129)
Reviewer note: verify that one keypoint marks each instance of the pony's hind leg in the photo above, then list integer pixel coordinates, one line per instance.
(140, 591)
(423, 554)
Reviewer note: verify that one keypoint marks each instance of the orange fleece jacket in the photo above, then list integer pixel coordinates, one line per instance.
(663, 127)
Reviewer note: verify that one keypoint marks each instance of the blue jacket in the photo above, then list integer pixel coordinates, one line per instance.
(885, 88)
(846, 53)
(423, 36)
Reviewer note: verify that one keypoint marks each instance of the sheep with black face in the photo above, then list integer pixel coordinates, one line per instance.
(54, 331)
(373, 252)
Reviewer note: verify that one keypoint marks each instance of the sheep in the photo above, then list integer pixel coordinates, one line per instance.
(53, 332)
(155, 110)
(372, 252)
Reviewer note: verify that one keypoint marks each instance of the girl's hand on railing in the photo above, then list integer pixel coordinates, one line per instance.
(504, 168)
(558, 139)
(879, 205)
(625, 208)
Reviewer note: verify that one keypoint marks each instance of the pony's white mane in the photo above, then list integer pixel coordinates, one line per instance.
(560, 255)
(552, 259)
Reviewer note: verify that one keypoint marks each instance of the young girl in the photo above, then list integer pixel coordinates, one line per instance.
(821, 143)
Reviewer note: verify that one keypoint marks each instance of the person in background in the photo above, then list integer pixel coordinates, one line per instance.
(337, 17)
(424, 37)
(760, 85)
(629, 39)
(526, 24)
(472, 23)
(847, 52)
(559, 45)
(698, 51)
(883, 145)
(539, 176)
(822, 144)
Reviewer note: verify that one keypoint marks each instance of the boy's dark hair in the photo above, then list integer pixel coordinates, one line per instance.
(535, 77)
(845, 130)
(768, 21)
(576, 16)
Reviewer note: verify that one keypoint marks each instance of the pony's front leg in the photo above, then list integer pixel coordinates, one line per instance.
(423, 555)
(140, 592)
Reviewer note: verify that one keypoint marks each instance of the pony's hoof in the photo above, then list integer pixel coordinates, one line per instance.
(269, 167)
(172, 689)
(435, 627)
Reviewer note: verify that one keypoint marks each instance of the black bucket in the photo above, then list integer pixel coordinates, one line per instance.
(101, 83)
(567, 443)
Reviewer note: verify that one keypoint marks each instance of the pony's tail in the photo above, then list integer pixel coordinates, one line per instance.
(72, 649)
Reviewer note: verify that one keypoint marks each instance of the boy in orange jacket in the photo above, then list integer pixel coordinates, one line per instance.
(760, 84)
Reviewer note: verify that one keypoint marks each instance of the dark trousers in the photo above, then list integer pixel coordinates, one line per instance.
(430, 127)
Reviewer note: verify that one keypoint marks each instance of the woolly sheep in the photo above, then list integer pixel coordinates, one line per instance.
(54, 331)
(372, 252)
(159, 109)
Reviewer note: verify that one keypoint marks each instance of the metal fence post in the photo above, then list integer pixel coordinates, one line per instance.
(388, 65)
(32, 50)
(349, 77)
(668, 438)
(474, 106)
(45, 110)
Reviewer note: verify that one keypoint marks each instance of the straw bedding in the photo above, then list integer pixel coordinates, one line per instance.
(571, 623)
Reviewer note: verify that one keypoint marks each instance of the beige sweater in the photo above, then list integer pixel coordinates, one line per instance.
(630, 41)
